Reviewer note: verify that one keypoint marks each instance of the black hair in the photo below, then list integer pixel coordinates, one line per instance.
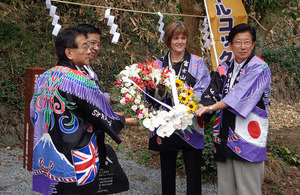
(241, 28)
(66, 39)
(87, 28)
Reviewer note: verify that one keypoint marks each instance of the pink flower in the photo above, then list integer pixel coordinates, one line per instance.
(140, 116)
(134, 107)
(137, 101)
(145, 110)
(139, 112)
(122, 101)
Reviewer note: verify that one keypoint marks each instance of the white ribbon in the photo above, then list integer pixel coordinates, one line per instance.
(173, 83)
(161, 103)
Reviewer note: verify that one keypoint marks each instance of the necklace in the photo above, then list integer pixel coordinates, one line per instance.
(177, 63)
(171, 64)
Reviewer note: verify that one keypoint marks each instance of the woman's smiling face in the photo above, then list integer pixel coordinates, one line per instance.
(178, 43)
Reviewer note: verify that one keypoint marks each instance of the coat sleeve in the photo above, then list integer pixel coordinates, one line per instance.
(91, 104)
(201, 73)
(244, 96)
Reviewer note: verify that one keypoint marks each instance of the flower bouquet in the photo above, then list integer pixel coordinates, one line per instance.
(131, 87)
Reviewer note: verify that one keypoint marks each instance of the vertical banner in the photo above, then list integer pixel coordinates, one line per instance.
(224, 15)
(32, 74)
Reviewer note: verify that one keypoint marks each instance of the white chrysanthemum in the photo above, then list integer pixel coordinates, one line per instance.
(127, 84)
(124, 90)
(168, 83)
(137, 101)
(131, 91)
(130, 71)
(156, 75)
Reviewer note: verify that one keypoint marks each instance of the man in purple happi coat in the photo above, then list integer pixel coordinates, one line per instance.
(68, 111)
(239, 91)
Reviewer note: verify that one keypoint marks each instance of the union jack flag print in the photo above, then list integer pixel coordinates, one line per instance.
(86, 162)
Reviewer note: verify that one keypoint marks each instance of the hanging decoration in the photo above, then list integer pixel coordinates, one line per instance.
(55, 17)
(161, 26)
(113, 26)
(206, 34)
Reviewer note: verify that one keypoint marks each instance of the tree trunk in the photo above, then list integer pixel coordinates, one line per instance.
(268, 21)
(192, 8)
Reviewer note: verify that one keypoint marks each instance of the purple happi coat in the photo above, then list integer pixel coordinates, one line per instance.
(240, 131)
(192, 71)
(66, 108)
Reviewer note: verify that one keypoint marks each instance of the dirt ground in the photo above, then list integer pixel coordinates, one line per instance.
(284, 131)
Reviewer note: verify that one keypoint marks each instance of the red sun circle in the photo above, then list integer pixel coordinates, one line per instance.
(254, 129)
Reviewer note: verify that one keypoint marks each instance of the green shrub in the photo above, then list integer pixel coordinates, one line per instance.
(209, 167)
(289, 155)
(285, 57)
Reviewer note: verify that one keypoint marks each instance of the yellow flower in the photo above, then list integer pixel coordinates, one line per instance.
(190, 93)
(178, 83)
(142, 107)
(128, 95)
(192, 106)
(183, 98)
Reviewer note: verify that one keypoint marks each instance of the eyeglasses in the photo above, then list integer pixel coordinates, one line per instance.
(239, 43)
(86, 47)
(94, 43)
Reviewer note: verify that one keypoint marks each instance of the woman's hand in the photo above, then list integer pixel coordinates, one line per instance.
(111, 99)
(131, 121)
(120, 113)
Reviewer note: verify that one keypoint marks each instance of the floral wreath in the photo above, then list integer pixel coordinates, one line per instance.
(131, 88)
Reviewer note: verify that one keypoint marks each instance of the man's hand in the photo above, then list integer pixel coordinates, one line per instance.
(202, 110)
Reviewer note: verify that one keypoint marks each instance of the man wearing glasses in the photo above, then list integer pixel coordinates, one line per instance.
(67, 111)
(92, 34)
(106, 152)
(239, 91)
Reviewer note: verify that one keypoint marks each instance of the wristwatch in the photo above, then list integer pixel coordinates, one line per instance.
(210, 110)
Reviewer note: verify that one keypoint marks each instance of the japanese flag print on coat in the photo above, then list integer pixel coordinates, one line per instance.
(250, 138)
(253, 129)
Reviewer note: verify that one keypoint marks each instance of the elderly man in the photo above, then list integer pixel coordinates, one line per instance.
(239, 91)
(68, 110)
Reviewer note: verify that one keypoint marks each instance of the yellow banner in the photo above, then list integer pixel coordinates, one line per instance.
(224, 15)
